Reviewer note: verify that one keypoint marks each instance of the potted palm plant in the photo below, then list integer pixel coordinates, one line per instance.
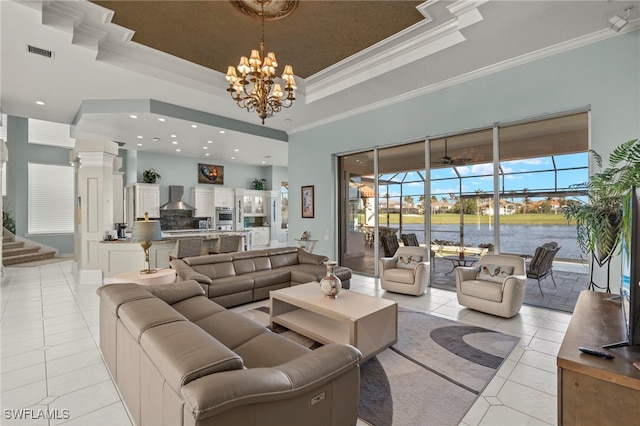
(598, 222)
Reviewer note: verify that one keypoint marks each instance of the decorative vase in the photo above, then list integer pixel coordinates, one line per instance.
(330, 284)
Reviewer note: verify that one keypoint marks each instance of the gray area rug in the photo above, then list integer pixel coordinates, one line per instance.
(431, 376)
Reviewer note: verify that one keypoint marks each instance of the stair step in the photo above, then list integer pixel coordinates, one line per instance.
(31, 257)
(19, 250)
(11, 245)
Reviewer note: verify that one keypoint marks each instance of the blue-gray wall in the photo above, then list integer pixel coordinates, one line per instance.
(21, 152)
(184, 171)
(603, 75)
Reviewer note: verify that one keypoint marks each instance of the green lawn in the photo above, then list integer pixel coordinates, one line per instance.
(450, 218)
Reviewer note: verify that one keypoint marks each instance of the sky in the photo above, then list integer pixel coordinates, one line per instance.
(536, 174)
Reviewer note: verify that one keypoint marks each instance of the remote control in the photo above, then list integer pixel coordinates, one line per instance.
(596, 352)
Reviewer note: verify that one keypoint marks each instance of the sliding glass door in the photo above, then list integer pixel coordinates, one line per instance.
(495, 190)
(357, 211)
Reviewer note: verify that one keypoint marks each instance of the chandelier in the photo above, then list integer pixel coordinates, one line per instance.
(251, 83)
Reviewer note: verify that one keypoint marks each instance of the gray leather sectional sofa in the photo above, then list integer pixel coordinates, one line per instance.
(232, 279)
(179, 358)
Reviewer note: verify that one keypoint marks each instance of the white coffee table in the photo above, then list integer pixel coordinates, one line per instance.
(366, 322)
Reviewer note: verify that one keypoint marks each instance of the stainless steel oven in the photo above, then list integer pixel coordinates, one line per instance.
(224, 218)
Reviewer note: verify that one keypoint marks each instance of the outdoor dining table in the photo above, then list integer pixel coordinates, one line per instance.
(461, 261)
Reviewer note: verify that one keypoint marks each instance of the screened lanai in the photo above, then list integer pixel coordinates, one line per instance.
(501, 188)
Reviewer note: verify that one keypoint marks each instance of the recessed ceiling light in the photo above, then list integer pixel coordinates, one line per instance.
(178, 150)
(205, 147)
(209, 141)
(139, 137)
(194, 126)
(139, 144)
(233, 158)
(207, 154)
(263, 162)
(133, 116)
(175, 142)
(161, 119)
(236, 150)
(39, 102)
(173, 136)
(222, 131)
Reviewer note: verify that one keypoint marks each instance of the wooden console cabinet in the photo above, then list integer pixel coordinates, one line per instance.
(593, 390)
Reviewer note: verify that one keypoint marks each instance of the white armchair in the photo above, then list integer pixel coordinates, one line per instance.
(495, 285)
(407, 272)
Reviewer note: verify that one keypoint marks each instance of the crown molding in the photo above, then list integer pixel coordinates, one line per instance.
(401, 49)
(482, 72)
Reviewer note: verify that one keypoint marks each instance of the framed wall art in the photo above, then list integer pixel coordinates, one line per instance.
(208, 173)
(307, 201)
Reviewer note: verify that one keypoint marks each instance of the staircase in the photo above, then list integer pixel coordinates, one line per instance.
(17, 252)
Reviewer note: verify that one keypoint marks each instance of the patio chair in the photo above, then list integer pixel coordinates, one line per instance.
(389, 244)
(495, 285)
(410, 240)
(407, 272)
(541, 264)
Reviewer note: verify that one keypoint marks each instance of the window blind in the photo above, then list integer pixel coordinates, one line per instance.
(3, 128)
(50, 133)
(51, 200)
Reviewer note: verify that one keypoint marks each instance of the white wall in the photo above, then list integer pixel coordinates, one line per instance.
(603, 75)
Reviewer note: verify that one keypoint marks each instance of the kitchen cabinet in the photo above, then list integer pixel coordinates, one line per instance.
(274, 203)
(203, 201)
(224, 197)
(260, 236)
(118, 257)
(254, 203)
(141, 198)
(239, 208)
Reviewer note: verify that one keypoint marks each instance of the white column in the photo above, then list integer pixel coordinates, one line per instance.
(4, 156)
(94, 197)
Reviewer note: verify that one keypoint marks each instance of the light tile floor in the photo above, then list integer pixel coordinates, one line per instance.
(51, 364)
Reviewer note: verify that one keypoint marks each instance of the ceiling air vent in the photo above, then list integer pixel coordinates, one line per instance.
(38, 51)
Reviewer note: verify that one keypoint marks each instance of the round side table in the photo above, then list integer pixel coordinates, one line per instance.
(162, 276)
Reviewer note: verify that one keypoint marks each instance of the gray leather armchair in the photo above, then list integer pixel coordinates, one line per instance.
(407, 272)
(495, 285)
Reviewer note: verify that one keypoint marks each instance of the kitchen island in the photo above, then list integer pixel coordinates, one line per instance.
(124, 255)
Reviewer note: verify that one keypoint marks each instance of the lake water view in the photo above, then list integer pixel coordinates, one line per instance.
(517, 239)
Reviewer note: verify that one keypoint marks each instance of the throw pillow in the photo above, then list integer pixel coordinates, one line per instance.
(408, 261)
(495, 273)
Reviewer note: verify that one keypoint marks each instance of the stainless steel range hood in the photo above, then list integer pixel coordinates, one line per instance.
(176, 196)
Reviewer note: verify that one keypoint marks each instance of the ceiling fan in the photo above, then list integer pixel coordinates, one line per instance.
(445, 160)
